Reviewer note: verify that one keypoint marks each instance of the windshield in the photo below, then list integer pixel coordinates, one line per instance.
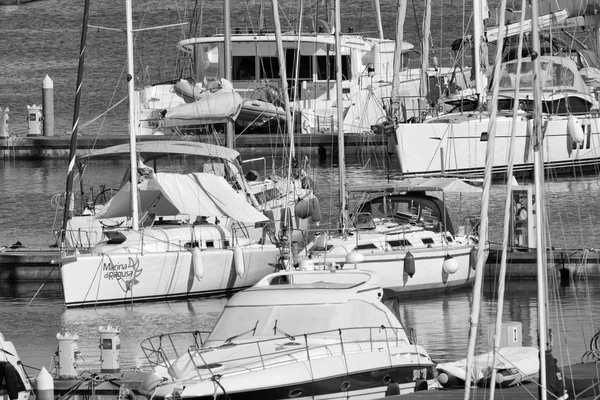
(553, 75)
(275, 321)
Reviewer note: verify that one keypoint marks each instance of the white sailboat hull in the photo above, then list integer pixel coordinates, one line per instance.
(124, 277)
(457, 144)
(429, 275)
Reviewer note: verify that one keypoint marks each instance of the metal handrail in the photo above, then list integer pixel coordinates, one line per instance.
(159, 356)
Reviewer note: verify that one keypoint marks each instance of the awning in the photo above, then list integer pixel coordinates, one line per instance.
(197, 194)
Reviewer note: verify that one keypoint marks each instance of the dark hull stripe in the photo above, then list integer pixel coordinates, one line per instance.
(359, 381)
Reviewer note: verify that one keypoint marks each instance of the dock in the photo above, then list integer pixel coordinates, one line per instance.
(41, 147)
(24, 264)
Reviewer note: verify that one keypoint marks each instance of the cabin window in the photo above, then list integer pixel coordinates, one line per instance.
(210, 244)
(427, 241)
(244, 68)
(269, 67)
(225, 244)
(322, 64)
(190, 245)
(399, 244)
(368, 246)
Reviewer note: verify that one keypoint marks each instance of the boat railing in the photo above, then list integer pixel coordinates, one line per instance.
(166, 351)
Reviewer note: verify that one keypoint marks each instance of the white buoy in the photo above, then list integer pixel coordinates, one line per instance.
(238, 261)
(574, 129)
(197, 263)
(48, 106)
(450, 264)
(354, 258)
(44, 385)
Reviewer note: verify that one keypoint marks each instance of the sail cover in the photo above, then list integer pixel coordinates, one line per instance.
(196, 194)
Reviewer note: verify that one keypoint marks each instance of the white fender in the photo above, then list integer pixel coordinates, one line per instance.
(197, 263)
(574, 129)
(238, 261)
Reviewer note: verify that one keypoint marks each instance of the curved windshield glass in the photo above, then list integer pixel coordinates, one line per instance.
(247, 322)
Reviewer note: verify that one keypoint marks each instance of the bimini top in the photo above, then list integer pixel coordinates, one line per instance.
(160, 148)
(421, 185)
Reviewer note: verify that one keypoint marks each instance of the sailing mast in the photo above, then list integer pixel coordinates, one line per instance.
(484, 224)
(135, 225)
(340, 119)
(478, 44)
(400, 17)
(69, 198)
(538, 165)
(284, 89)
(227, 65)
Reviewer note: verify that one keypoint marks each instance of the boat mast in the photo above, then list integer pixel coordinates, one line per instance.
(538, 164)
(484, 217)
(340, 118)
(227, 65)
(379, 24)
(284, 89)
(477, 46)
(135, 225)
(69, 198)
(425, 54)
(400, 17)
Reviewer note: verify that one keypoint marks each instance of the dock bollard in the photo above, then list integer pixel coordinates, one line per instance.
(34, 116)
(4, 123)
(110, 347)
(67, 354)
(44, 385)
(48, 106)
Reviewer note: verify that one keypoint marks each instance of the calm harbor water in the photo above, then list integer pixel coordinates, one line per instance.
(42, 38)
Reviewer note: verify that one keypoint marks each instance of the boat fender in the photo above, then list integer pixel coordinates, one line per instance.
(302, 208)
(574, 129)
(473, 258)
(447, 381)
(238, 261)
(316, 209)
(409, 264)
(508, 377)
(450, 264)
(197, 263)
(11, 379)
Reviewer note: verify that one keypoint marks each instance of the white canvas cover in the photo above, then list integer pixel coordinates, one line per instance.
(196, 194)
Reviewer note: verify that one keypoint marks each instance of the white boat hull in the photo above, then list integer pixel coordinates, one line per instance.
(457, 145)
(429, 275)
(124, 277)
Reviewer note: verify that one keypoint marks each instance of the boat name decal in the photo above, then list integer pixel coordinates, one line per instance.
(121, 270)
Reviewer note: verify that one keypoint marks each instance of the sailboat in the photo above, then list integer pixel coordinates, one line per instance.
(400, 231)
(196, 233)
(453, 142)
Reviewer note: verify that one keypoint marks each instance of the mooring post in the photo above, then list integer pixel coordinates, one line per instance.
(48, 106)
